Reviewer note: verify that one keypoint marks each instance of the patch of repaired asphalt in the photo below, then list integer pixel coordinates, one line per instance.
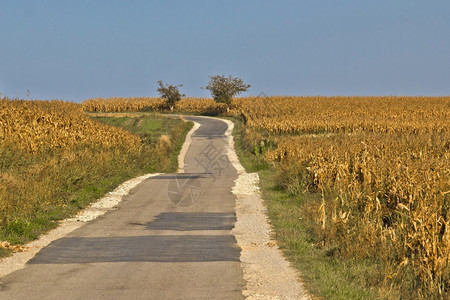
(190, 221)
(168, 248)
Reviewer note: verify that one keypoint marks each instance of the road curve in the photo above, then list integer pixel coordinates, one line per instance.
(169, 238)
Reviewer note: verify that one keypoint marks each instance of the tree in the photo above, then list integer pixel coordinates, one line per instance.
(171, 93)
(223, 89)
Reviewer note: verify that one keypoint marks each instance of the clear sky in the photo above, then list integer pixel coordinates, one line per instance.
(78, 49)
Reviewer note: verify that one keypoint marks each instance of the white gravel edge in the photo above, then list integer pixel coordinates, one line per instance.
(185, 147)
(267, 273)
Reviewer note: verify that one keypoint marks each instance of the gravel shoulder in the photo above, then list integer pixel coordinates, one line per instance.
(267, 273)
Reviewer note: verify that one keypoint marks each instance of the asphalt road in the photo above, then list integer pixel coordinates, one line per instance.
(168, 239)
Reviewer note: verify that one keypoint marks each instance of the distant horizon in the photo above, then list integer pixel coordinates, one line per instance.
(246, 96)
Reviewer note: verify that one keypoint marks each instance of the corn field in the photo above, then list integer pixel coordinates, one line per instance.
(40, 125)
(134, 104)
(117, 104)
(382, 166)
(348, 114)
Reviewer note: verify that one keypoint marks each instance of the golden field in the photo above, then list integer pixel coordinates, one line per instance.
(382, 166)
(346, 114)
(118, 104)
(40, 125)
(133, 104)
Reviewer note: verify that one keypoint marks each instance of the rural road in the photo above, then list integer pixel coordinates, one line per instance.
(169, 238)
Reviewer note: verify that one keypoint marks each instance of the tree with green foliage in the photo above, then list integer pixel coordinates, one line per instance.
(223, 89)
(171, 93)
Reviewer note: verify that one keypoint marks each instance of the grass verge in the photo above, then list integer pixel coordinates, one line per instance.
(151, 127)
(324, 272)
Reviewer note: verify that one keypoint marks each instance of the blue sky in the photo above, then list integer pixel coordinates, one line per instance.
(78, 49)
